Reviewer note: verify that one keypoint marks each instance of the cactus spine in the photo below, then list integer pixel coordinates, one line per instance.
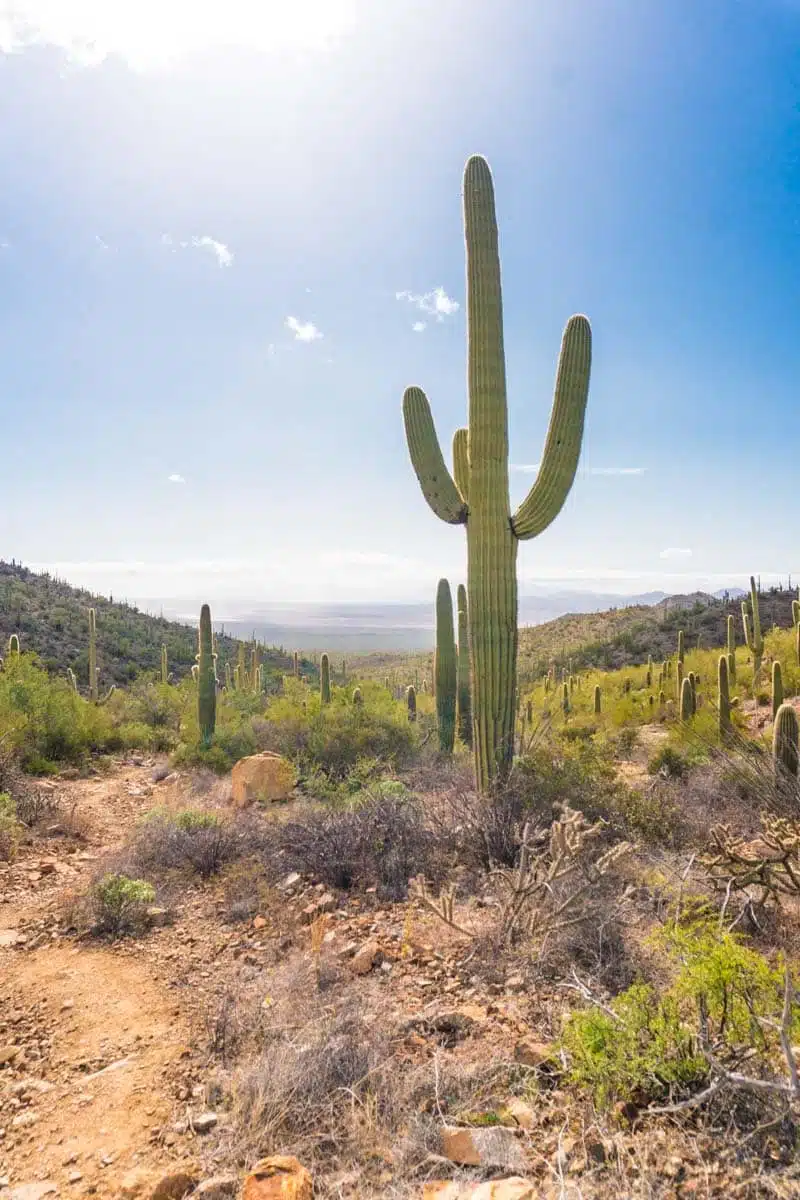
(206, 680)
(324, 680)
(752, 630)
(784, 741)
(164, 665)
(686, 699)
(411, 701)
(777, 688)
(464, 698)
(598, 702)
(724, 696)
(481, 501)
(445, 670)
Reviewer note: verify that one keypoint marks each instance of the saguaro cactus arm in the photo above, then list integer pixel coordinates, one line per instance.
(434, 478)
(461, 462)
(562, 447)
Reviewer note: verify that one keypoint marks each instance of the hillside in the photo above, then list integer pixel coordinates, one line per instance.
(50, 617)
(621, 637)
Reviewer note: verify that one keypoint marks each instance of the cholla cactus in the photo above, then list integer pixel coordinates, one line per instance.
(752, 630)
(777, 688)
(784, 741)
(478, 497)
(324, 680)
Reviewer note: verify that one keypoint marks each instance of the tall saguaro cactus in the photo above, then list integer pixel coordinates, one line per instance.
(777, 688)
(92, 655)
(463, 698)
(206, 680)
(445, 670)
(478, 497)
(324, 680)
(731, 649)
(784, 742)
(724, 696)
(752, 630)
(164, 665)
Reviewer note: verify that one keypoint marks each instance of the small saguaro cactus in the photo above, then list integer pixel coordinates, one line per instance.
(411, 701)
(751, 622)
(241, 669)
(93, 671)
(324, 680)
(464, 696)
(358, 699)
(731, 650)
(13, 644)
(478, 496)
(777, 688)
(724, 696)
(206, 680)
(228, 676)
(529, 711)
(445, 668)
(598, 699)
(687, 707)
(662, 700)
(693, 681)
(73, 682)
(344, 669)
(784, 741)
(680, 645)
(565, 698)
(296, 663)
(164, 665)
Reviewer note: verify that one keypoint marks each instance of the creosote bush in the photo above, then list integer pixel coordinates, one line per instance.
(198, 839)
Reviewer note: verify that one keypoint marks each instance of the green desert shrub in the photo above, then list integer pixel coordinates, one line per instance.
(668, 761)
(119, 904)
(645, 1043)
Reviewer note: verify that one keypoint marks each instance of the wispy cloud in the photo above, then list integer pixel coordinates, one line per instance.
(675, 552)
(436, 303)
(304, 331)
(419, 326)
(221, 252)
(101, 243)
(175, 479)
(532, 468)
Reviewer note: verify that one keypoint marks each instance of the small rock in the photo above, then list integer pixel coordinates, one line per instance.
(156, 916)
(25, 1120)
(522, 1113)
(66, 1005)
(291, 881)
(74, 1177)
(218, 1187)
(515, 983)
(363, 960)
(259, 922)
(8, 1054)
(135, 1183)
(513, 1188)
(531, 1053)
(174, 1186)
(493, 1147)
(33, 1191)
(205, 1122)
(278, 1178)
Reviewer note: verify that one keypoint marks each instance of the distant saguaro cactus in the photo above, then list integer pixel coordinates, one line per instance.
(164, 665)
(731, 649)
(464, 696)
(411, 701)
(723, 697)
(478, 496)
(565, 698)
(784, 741)
(324, 680)
(598, 702)
(752, 630)
(206, 680)
(445, 669)
(13, 644)
(687, 705)
(777, 688)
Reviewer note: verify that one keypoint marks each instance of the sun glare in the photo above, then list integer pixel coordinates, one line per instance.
(152, 33)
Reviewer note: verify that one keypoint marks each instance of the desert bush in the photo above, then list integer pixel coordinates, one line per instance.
(199, 839)
(10, 828)
(381, 841)
(119, 904)
(669, 762)
(724, 1006)
(581, 775)
(651, 815)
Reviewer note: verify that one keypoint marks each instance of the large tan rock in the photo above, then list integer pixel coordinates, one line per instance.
(278, 1178)
(494, 1146)
(262, 777)
(514, 1188)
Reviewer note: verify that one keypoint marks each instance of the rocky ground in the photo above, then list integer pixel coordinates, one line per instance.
(118, 1059)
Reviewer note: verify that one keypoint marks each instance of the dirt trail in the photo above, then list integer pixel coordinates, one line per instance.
(91, 1041)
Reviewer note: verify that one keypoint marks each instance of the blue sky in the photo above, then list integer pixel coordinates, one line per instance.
(206, 221)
